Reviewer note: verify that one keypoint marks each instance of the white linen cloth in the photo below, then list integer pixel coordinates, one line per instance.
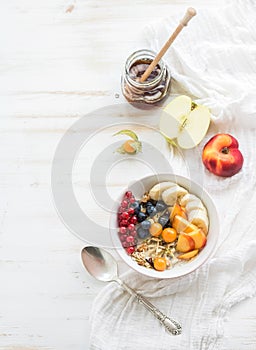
(213, 61)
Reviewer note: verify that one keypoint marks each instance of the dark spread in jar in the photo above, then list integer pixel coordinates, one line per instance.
(154, 88)
(140, 67)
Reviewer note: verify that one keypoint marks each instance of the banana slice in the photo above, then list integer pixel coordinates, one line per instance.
(199, 218)
(191, 202)
(194, 205)
(187, 198)
(171, 195)
(157, 190)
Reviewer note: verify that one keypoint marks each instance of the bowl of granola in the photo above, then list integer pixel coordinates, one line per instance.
(164, 226)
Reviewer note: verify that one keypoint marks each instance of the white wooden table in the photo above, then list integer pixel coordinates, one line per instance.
(60, 60)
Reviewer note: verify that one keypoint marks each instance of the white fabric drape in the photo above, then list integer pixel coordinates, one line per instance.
(214, 62)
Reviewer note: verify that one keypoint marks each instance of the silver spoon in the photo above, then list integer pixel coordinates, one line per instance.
(101, 265)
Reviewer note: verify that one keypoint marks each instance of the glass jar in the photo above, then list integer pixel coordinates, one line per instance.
(154, 88)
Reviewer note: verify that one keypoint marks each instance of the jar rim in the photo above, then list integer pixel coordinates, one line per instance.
(135, 56)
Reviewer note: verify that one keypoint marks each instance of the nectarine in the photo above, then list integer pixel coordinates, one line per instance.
(189, 255)
(185, 243)
(221, 155)
(178, 210)
(199, 238)
(182, 225)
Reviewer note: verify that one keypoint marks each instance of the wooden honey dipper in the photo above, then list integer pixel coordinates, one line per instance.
(191, 12)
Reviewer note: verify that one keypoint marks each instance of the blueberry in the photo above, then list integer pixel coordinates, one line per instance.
(145, 224)
(163, 220)
(142, 233)
(141, 216)
(135, 205)
(154, 212)
(150, 209)
(136, 211)
(160, 206)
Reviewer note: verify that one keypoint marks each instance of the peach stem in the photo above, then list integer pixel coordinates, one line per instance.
(225, 150)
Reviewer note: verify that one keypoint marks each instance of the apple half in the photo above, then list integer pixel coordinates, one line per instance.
(185, 121)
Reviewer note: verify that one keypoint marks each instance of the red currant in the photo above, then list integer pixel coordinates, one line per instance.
(123, 229)
(125, 215)
(132, 200)
(123, 238)
(130, 239)
(130, 211)
(130, 250)
(124, 204)
(125, 244)
(133, 233)
(124, 223)
(133, 220)
(131, 227)
(128, 194)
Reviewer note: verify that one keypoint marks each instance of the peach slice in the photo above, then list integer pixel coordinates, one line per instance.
(188, 255)
(185, 243)
(178, 210)
(199, 238)
(182, 225)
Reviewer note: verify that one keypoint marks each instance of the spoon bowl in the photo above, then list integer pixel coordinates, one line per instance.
(99, 264)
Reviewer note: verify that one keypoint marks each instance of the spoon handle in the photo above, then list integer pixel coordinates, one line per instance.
(170, 325)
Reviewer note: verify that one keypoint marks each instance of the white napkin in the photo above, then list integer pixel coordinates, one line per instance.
(200, 301)
(213, 61)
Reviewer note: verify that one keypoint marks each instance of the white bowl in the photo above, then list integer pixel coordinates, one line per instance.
(138, 188)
